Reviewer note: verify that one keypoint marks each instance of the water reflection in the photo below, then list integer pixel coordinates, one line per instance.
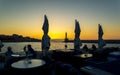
(17, 47)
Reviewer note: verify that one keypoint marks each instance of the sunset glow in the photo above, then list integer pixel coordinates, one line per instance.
(26, 17)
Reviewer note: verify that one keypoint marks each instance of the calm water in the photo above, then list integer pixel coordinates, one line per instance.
(54, 45)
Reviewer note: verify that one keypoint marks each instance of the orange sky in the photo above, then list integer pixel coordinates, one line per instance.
(26, 18)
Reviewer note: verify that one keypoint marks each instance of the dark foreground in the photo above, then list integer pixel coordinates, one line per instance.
(67, 63)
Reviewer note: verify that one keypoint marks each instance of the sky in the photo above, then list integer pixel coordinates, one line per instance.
(26, 17)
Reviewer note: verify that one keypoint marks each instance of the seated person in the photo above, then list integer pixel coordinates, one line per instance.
(85, 48)
(9, 51)
(8, 57)
(94, 47)
(31, 50)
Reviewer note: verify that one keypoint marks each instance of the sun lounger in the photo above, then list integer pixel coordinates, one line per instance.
(94, 71)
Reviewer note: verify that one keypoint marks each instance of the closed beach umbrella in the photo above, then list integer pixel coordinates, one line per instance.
(101, 42)
(45, 38)
(45, 25)
(77, 41)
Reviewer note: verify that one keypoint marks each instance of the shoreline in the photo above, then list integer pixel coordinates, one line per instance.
(96, 41)
(72, 41)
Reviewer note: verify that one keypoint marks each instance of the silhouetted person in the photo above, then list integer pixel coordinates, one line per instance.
(26, 51)
(85, 48)
(31, 50)
(8, 57)
(65, 46)
(1, 45)
(9, 51)
(94, 47)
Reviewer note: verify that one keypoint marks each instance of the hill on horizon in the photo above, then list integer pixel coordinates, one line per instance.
(17, 38)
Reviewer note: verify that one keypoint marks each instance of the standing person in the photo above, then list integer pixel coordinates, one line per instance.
(1, 45)
(66, 46)
(26, 51)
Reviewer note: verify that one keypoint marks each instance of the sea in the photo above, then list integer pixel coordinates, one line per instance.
(55, 45)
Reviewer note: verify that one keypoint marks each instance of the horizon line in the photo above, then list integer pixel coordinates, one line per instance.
(56, 38)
